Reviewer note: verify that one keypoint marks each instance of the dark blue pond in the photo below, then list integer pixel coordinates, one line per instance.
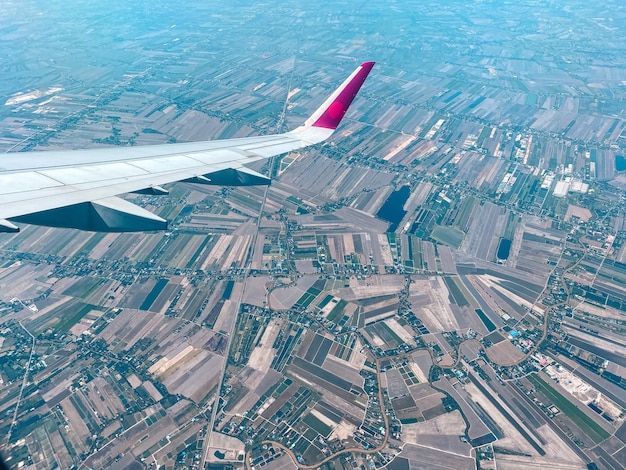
(504, 248)
(154, 293)
(620, 163)
(392, 210)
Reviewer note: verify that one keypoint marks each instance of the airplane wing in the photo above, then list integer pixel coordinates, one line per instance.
(78, 188)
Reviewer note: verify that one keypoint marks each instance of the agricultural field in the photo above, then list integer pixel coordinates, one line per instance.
(573, 412)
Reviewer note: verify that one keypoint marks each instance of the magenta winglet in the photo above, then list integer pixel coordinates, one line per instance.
(332, 115)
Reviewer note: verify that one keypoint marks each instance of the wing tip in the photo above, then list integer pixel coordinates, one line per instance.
(332, 112)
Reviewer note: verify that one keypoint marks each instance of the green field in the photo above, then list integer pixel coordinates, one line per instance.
(337, 310)
(84, 287)
(65, 316)
(455, 292)
(308, 297)
(484, 133)
(392, 333)
(324, 302)
(451, 236)
(385, 333)
(494, 337)
(584, 422)
(486, 321)
(316, 424)
(68, 320)
(202, 246)
(294, 200)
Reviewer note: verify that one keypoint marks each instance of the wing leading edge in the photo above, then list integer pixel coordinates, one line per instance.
(78, 188)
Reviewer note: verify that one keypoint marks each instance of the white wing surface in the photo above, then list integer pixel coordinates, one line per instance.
(78, 188)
